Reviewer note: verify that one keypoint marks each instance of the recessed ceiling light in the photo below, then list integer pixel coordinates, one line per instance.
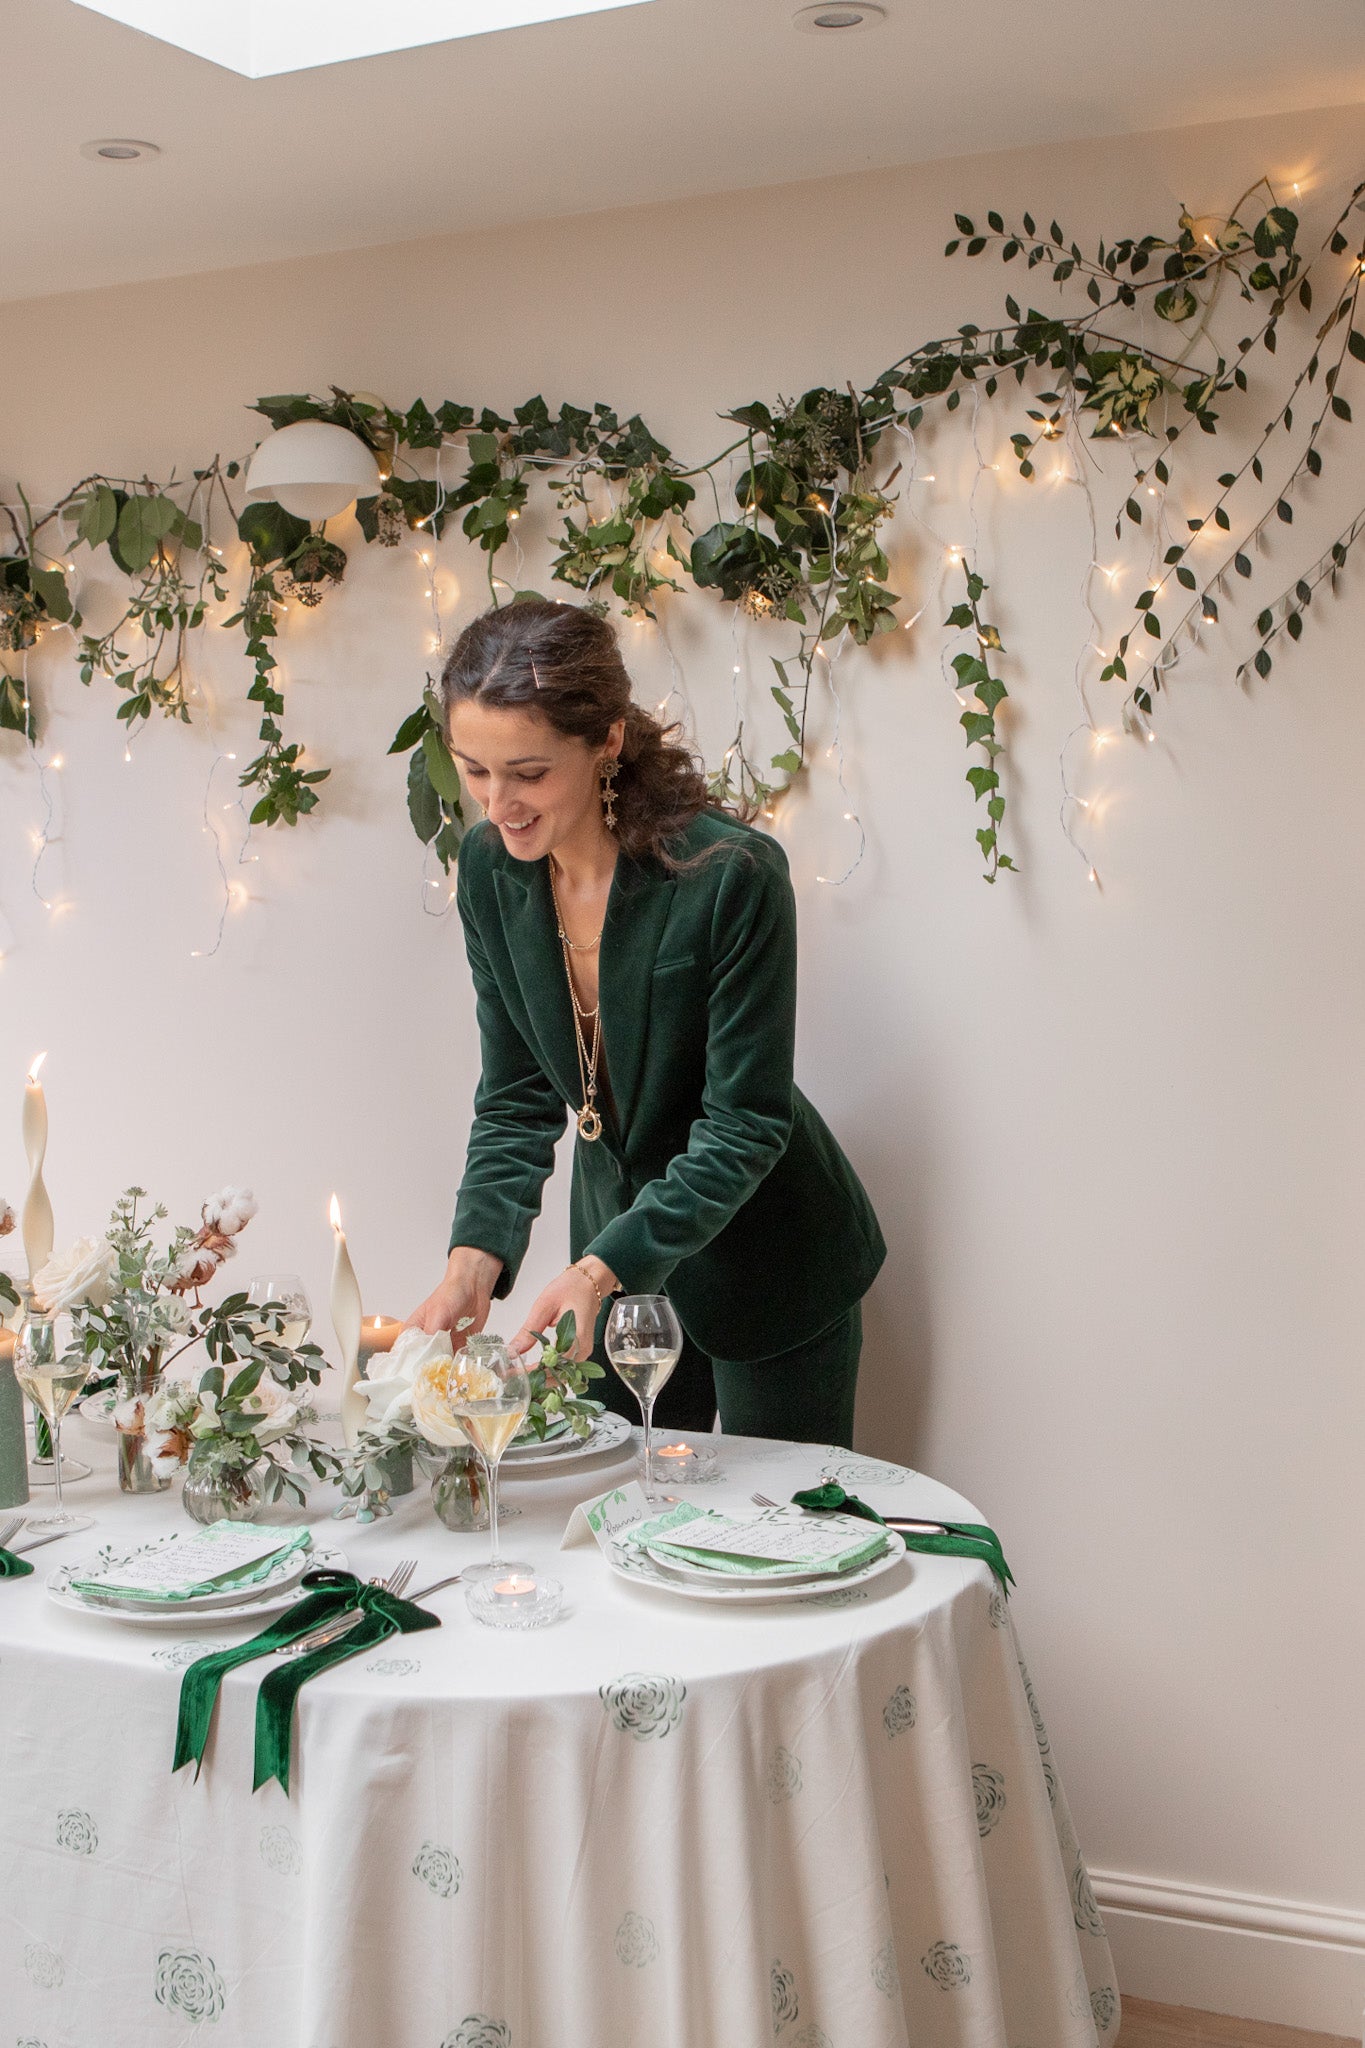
(118, 149)
(832, 17)
(260, 38)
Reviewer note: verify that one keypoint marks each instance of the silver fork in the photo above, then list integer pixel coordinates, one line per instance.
(10, 1528)
(342, 1624)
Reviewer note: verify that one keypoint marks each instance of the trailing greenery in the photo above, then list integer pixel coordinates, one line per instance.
(799, 501)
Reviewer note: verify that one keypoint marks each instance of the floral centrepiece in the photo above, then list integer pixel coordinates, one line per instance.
(130, 1302)
(410, 1390)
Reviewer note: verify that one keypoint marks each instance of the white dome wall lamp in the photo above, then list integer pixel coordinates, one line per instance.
(313, 469)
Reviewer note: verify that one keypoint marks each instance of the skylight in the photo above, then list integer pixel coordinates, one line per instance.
(262, 37)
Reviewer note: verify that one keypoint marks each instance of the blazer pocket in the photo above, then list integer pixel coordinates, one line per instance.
(687, 960)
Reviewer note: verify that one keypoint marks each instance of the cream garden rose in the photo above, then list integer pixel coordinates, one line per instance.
(436, 1384)
(387, 1385)
(84, 1275)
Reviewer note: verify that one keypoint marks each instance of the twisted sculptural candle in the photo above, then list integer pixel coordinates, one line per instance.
(346, 1323)
(37, 1224)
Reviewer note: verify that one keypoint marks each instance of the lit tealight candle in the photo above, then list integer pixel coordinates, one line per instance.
(516, 1591)
(678, 1455)
(378, 1334)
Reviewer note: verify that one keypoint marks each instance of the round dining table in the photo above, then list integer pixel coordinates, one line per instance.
(832, 1821)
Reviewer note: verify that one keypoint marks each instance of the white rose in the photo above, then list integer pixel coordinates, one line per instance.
(435, 1385)
(276, 1407)
(83, 1276)
(7, 1218)
(387, 1381)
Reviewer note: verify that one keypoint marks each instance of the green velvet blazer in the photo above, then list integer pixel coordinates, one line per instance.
(715, 1180)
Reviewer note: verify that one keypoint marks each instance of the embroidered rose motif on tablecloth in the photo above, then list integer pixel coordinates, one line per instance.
(188, 1983)
(842, 1596)
(811, 2037)
(786, 2006)
(177, 1655)
(43, 1966)
(851, 1473)
(644, 1706)
(636, 1943)
(946, 1965)
(784, 1776)
(280, 1852)
(30, 2041)
(395, 1667)
(1104, 2006)
(900, 1711)
(438, 1869)
(1078, 1997)
(997, 1613)
(476, 2030)
(1084, 1910)
(988, 1787)
(77, 1832)
(885, 1971)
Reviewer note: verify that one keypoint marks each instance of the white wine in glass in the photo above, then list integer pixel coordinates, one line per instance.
(288, 1290)
(51, 1369)
(489, 1398)
(644, 1342)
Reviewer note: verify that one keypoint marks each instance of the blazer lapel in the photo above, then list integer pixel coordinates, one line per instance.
(528, 923)
(637, 911)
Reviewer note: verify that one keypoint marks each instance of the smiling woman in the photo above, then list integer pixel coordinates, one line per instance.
(633, 948)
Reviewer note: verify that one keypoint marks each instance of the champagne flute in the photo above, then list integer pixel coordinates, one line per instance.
(288, 1290)
(490, 1392)
(644, 1342)
(51, 1368)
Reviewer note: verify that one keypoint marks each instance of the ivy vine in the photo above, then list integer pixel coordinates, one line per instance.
(800, 496)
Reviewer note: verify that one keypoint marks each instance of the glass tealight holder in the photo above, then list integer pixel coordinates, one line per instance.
(516, 1599)
(676, 1462)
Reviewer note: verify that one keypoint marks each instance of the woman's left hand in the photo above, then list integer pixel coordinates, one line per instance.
(571, 1290)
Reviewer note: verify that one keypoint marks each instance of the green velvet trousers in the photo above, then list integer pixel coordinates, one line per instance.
(804, 1395)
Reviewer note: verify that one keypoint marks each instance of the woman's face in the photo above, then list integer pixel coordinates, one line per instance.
(539, 787)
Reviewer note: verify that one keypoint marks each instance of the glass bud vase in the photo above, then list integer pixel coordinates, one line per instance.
(458, 1493)
(216, 1490)
(138, 1387)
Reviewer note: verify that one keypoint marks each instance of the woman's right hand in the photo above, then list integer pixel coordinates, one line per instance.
(466, 1291)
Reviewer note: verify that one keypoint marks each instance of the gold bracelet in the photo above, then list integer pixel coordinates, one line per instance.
(580, 1268)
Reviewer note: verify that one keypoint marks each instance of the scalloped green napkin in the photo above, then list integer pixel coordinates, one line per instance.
(209, 1560)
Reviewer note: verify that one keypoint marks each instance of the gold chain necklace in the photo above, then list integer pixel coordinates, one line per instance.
(589, 1117)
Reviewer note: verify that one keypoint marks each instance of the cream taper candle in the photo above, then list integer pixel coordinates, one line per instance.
(37, 1207)
(346, 1323)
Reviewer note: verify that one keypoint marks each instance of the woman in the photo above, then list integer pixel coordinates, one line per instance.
(633, 949)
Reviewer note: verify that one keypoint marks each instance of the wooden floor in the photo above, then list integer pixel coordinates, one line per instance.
(1146, 2025)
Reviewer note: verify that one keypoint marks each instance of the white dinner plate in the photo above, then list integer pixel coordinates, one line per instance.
(609, 1433)
(272, 1596)
(630, 1563)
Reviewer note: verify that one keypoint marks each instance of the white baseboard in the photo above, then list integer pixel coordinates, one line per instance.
(1286, 1960)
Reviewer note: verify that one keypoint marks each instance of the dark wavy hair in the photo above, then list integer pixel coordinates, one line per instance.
(564, 662)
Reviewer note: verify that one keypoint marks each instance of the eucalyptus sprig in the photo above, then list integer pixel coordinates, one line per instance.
(559, 1381)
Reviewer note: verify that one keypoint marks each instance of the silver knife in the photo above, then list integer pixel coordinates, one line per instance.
(37, 1542)
(331, 1631)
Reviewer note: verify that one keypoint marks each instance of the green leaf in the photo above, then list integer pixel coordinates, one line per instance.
(424, 807)
(411, 730)
(50, 586)
(1263, 662)
(99, 516)
(269, 531)
(442, 773)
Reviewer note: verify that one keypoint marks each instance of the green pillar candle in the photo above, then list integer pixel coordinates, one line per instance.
(13, 1448)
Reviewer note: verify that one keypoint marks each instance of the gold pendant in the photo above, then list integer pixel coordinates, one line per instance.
(589, 1123)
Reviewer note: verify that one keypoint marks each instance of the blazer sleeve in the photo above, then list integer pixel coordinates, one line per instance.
(746, 1108)
(519, 1117)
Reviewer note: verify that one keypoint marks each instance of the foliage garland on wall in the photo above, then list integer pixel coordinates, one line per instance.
(812, 483)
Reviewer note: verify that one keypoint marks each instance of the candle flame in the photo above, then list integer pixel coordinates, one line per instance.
(334, 1211)
(34, 1069)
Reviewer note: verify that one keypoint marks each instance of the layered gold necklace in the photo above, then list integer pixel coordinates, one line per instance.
(589, 1117)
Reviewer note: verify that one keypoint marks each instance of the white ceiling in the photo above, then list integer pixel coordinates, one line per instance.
(656, 101)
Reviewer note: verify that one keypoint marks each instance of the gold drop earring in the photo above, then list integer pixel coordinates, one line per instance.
(608, 774)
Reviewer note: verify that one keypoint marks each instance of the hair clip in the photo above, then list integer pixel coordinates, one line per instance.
(536, 673)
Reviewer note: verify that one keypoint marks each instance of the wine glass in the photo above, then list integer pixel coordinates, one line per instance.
(644, 1343)
(51, 1368)
(288, 1289)
(490, 1392)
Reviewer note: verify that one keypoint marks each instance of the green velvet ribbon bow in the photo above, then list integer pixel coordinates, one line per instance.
(12, 1567)
(959, 1539)
(332, 1593)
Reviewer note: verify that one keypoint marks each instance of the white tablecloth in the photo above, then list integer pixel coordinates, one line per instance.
(834, 1824)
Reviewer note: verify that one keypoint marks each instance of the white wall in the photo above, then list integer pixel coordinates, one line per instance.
(1112, 1135)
